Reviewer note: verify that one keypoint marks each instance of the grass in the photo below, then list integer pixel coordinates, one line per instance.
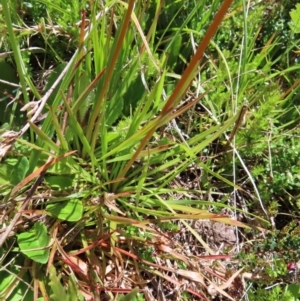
(144, 152)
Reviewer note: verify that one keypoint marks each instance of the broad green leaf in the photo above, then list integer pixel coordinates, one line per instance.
(70, 211)
(294, 290)
(134, 93)
(4, 174)
(34, 243)
(61, 182)
(20, 292)
(19, 171)
(7, 279)
(174, 50)
(11, 288)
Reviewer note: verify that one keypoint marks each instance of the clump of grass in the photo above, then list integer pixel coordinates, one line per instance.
(125, 153)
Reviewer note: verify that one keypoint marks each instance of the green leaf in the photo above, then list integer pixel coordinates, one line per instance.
(11, 288)
(20, 292)
(19, 171)
(73, 292)
(34, 243)
(294, 290)
(70, 211)
(4, 174)
(131, 296)
(134, 93)
(295, 16)
(4, 127)
(114, 109)
(174, 50)
(61, 182)
(58, 291)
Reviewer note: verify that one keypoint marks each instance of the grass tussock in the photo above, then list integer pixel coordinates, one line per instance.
(149, 150)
